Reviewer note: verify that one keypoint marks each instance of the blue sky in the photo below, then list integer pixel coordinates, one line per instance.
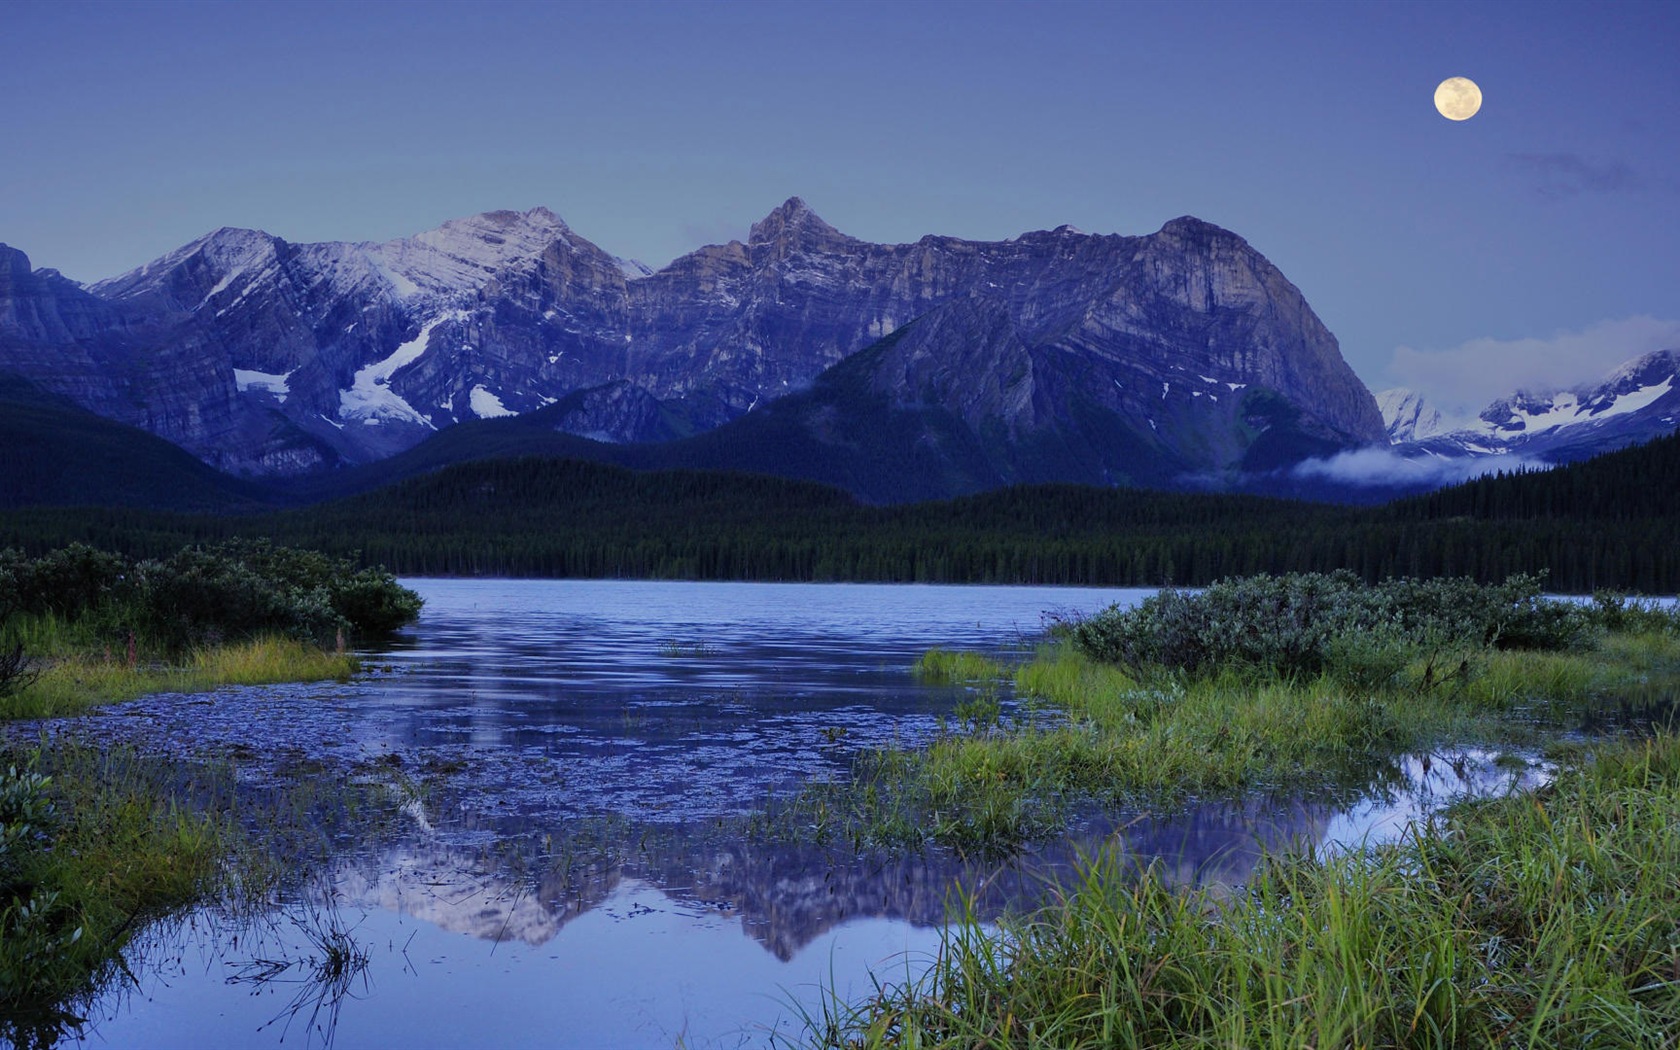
(1538, 241)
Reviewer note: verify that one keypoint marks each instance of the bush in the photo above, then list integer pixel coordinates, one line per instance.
(372, 601)
(1304, 624)
(1618, 612)
(207, 594)
(67, 582)
(242, 588)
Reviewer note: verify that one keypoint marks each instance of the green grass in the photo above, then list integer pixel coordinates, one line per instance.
(947, 667)
(133, 839)
(1106, 737)
(1537, 920)
(70, 684)
(121, 849)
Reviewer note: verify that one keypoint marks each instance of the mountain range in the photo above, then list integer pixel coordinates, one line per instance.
(1636, 402)
(899, 372)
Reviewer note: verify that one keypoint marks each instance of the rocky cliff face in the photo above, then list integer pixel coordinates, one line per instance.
(270, 357)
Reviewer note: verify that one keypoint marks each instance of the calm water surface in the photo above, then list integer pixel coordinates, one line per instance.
(648, 713)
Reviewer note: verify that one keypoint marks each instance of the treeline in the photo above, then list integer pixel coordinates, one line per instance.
(1613, 522)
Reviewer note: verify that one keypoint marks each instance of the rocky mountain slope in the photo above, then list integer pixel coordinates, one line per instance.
(1180, 352)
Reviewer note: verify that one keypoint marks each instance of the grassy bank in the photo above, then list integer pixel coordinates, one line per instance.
(73, 683)
(1301, 684)
(81, 626)
(1540, 920)
(1543, 920)
(1093, 733)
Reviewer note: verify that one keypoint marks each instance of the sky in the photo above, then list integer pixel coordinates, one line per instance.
(1537, 243)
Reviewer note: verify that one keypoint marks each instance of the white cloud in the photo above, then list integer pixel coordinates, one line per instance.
(1461, 381)
(1380, 466)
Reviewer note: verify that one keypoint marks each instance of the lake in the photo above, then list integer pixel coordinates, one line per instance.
(570, 764)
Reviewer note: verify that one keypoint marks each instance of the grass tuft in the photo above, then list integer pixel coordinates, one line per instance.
(945, 667)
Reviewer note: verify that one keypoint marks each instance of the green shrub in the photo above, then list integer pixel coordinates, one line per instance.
(1304, 624)
(66, 582)
(204, 594)
(372, 602)
(1618, 612)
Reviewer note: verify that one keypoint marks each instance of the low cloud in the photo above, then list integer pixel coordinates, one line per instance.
(1462, 380)
(1380, 467)
(1559, 175)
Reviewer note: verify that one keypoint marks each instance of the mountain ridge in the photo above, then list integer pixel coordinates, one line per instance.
(290, 359)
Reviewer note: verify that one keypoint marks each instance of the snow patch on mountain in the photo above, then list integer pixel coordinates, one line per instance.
(370, 397)
(276, 383)
(487, 405)
(1538, 414)
(1635, 402)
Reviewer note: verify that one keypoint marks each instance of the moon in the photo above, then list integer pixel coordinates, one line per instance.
(1458, 98)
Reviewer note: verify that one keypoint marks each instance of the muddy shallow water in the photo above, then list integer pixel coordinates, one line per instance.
(570, 751)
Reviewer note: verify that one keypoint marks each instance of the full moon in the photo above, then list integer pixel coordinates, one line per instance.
(1458, 98)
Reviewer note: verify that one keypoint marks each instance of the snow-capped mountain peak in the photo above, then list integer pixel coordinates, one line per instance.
(1633, 386)
(462, 254)
(223, 257)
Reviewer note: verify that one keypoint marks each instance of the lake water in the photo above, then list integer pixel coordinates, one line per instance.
(565, 871)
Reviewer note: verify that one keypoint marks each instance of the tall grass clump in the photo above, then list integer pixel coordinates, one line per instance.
(73, 684)
(956, 667)
(1543, 920)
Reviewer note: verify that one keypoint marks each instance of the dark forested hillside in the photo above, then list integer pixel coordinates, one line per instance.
(1611, 522)
(1634, 483)
(54, 453)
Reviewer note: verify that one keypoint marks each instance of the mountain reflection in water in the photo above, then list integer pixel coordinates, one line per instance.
(786, 895)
